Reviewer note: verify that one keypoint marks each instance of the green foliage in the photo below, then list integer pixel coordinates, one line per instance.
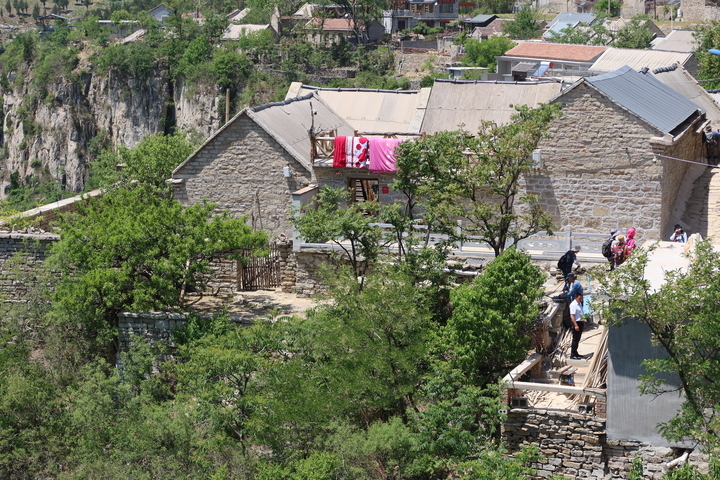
(428, 174)
(636, 468)
(613, 9)
(136, 59)
(231, 68)
(635, 34)
(707, 37)
(682, 319)
(584, 34)
(526, 24)
(492, 6)
(498, 308)
(132, 250)
(482, 54)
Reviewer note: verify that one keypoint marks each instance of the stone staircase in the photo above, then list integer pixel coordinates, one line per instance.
(702, 212)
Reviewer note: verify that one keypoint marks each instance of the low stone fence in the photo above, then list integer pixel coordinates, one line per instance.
(20, 254)
(571, 443)
(575, 445)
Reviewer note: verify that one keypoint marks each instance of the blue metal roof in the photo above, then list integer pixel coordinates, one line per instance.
(646, 97)
(573, 17)
(481, 19)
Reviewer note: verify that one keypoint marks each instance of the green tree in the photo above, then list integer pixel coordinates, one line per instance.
(708, 37)
(475, 179)
(482, 54)
(635, 34)
(36, 11)
(584, 34)
(498, 308)
(526, 24)
(682, 318)
(608, 7)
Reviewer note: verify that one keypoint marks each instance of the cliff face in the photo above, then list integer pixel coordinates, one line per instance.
(51, 136)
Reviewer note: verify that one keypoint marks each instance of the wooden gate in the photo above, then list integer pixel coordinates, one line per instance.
(260, 272)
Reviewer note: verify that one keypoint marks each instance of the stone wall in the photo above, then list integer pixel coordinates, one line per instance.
(575, 446)
(571, 443)
(17, 274)
(241, 170)
(598, 174)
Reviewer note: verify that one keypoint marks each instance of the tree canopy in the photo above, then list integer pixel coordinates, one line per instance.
(475, 179)
(526, 24)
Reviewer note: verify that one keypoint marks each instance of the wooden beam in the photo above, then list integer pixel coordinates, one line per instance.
(550, 387)
(526, 365)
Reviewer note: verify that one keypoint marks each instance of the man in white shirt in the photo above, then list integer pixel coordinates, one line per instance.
(577, 324)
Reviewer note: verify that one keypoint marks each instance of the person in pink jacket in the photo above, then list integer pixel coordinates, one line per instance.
(630, 241)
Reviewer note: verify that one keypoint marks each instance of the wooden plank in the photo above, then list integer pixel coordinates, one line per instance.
(550, 387)
(526, 365)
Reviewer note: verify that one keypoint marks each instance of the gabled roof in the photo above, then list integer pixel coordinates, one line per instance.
(556, 51)
(237, 14)
(371, 110)
(453, 104)
(646, 97)
(568, 19)
(682, 82)
(676, 41)
(161, 7)
(572, 17)
(334, 24)
(493, 28)
(614, 58)
(615, 24)
(288, 122)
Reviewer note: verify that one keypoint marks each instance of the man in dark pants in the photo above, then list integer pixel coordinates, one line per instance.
(576, 324)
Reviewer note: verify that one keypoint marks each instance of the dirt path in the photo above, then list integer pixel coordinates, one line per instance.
(257, 303)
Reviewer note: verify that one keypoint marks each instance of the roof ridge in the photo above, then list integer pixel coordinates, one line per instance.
(287, 101)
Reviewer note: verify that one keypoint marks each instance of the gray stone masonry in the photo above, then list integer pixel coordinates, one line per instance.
(575, 446)
(241, 171)
(16, 277)
(596, 175)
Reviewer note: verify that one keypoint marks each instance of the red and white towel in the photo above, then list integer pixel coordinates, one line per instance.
(357, 152)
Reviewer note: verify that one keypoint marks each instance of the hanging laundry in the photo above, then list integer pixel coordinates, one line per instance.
(382, 154)
(357, 155)
(339, 153)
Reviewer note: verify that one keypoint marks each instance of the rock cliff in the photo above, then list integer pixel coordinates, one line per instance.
(51, 136)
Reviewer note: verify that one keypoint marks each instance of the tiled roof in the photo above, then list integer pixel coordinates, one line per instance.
(556, 51)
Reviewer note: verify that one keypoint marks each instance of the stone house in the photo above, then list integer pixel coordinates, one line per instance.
(161, 13)
(331, 30)
(255, 161)
(618, 155)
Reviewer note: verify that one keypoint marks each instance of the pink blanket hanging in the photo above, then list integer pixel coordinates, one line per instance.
(382, 154)
(339, 153)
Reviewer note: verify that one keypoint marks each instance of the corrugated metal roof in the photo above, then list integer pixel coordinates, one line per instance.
(614, 58)
(453, 104)
(646, 97)
(559, 27)
(375, 110)
(289, 122)
(556, 51)
(572, 17)
(683, 83)
(676, 41)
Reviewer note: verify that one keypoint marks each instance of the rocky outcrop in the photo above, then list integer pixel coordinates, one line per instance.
(51, 136)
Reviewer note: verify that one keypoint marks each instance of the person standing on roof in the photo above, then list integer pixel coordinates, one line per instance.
(607, 247)
(678, 235)
(575, 287)
(630, 241)
(566, 262)
(576, 325)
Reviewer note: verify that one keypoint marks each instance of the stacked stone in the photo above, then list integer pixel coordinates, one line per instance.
(621, 453)
(152, 326)
(571, 443)
(288, 267)
(224, 278)
(308, 282)
(16, 277)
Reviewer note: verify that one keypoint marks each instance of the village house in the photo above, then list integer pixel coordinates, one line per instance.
(618, 155)
(161, 13)
(405, 14)
(562, 59)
